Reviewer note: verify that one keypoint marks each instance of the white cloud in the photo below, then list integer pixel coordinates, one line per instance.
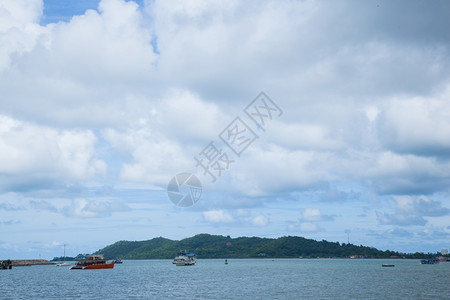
(129, 95)
(306, 136)
(400, 219)
(294, 170)
(217, 216)
(308, 227)
(154, 159)
(111, 43)
(260, 221)
(411, 210)
(189, 118)
(31, 154)
(311, 214)
(79, 73)
(18, 28)
(84, 208)
(418, 126)
(421, 205)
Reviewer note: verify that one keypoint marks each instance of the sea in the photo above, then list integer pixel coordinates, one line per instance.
(239, 279)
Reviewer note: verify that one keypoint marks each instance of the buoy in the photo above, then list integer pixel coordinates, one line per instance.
(226, 261)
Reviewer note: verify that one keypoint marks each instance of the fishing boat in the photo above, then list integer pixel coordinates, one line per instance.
(92, 262)
(63, 262)
(184, 259)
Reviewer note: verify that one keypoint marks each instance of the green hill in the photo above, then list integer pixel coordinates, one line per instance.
(217, 246)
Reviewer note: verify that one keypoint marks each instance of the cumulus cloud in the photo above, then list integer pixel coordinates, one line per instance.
(130, 94)
(74, 73)
(418, 126)
(411, 210)
(311, 214)
(421, 205)
(260, 221)
(18, 28)
(294, 170)
(84, 208)
(393, 173)
(400, 219)
(34, 156)
(314, 214)
(103, 64)
(217, 216)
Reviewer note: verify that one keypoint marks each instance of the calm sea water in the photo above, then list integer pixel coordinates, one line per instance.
(240, 279)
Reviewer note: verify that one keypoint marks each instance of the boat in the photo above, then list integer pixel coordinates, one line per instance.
(184, 259)
(429, 261)
(179, 257)
(92, 262)
(387, 265)
(63, 262)
(118, 261)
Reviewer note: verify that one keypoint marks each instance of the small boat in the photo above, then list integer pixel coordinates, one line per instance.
(180, 256)
(184, 259)
(63, 262)
(92, 262)
(429, 261)
(118, 261)
(387, 265)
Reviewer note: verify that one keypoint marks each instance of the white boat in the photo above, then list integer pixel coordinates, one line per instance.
(184, 259)
(63, 263)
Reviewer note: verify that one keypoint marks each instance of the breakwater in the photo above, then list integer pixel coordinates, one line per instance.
(30, 262)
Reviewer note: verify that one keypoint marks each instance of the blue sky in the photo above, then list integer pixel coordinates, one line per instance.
(103, 102)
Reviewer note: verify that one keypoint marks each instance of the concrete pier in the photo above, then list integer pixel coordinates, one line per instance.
(30, 262)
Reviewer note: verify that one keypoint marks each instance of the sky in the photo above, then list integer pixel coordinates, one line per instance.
(323, 119)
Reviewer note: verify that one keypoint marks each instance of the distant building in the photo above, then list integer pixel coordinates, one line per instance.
(444, 251)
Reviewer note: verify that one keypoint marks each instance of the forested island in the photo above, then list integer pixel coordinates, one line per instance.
(217, 246)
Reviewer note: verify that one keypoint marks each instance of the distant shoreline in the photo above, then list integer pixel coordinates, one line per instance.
(218, 246)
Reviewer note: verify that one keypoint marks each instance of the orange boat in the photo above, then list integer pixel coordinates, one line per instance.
(92, 262)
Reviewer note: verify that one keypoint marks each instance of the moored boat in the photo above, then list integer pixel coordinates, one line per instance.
(92, 262)
(63, 262)
(184, 259)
